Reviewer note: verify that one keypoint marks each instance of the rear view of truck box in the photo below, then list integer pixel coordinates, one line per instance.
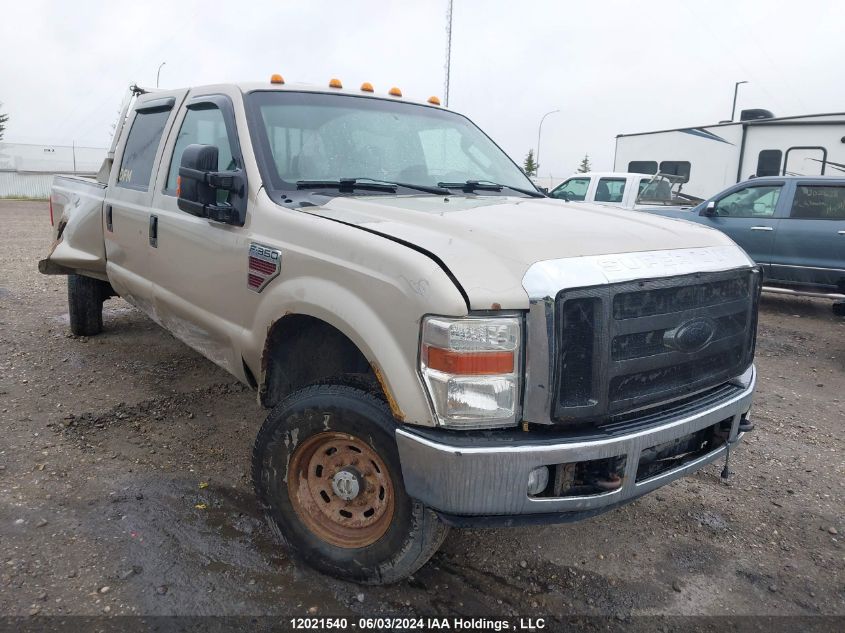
(76, 213)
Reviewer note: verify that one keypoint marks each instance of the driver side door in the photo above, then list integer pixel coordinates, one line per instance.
(749, 216)
(199, 265)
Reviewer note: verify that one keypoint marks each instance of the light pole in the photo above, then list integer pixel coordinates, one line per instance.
(448, 52)
(158, 73)
(539, 132)
(736, 90)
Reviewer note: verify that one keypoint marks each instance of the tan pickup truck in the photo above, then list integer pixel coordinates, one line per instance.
(437, 342)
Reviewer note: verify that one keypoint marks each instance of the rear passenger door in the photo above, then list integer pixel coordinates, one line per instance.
(610, 191)
(809, 247)
(749, 216)
(126, 211)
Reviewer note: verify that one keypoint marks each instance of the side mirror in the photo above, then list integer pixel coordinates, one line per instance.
(199, 182)
(709, 210)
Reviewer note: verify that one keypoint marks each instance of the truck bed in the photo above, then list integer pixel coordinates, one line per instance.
(77, 215)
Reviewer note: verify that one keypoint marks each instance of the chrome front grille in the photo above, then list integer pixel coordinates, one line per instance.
(635, 345)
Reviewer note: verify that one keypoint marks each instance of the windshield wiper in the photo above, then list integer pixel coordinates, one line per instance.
(488, 185)
(441, 191)
(347, 185)
(368, 184)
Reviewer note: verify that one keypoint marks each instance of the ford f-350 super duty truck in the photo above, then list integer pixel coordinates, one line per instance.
(437, 342)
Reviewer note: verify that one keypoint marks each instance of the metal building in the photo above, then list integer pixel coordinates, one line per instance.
(27, 170)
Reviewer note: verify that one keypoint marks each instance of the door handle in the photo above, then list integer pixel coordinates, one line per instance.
(762, 228)
(109, 221)
(154, 231)
(841, 232)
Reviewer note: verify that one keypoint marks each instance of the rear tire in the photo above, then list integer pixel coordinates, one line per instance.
(380, 535)
(85, 297)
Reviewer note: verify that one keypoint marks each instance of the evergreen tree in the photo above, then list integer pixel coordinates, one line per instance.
(3, 119)
(529, 165)
(584, 167)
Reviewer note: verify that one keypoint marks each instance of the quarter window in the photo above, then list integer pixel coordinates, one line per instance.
(574, 189)
(610, 190)
(136, 165)
(818, 202)
(642, 167)
(750, 202)
(676, 168)
(768, 162)
(203, 126)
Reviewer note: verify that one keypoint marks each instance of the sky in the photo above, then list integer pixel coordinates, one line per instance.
(609, 67)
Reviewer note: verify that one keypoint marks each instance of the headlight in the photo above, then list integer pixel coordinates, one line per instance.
(471, 369)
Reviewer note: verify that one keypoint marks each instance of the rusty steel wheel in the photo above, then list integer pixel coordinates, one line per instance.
(342, 508)
(341, 489)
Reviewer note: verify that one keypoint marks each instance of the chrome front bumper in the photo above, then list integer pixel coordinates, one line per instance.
(490, 478)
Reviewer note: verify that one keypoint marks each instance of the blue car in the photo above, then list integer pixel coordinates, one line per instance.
(794, 227)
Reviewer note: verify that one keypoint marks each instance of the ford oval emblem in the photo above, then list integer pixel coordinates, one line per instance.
(691, 336)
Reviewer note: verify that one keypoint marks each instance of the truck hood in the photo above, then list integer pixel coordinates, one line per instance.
(488, 243)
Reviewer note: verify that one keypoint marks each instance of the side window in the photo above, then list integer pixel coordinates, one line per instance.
(136, 165)
(768, 162)
(642, 167)
(574, 189)
(819, 202)
(676, 168)
(204, 126)
(750, 202)
(642, 186)
(610, 190)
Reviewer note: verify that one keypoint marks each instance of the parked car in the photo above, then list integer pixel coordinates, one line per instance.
(625, 190)
(793, 227)
(437, 342)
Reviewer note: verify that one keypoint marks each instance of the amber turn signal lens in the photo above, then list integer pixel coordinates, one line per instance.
(276, 79)
(395, 92)
(335, 83)
(367, 87)
(434, 101)
(178, 186)
(468, 363)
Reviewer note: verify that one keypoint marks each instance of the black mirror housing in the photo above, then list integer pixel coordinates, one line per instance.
(709, 210)
(199, 182)
(193, 192)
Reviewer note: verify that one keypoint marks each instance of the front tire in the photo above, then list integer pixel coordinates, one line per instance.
(85, 297)
(326, 469)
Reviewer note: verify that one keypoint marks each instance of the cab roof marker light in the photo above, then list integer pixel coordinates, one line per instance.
(276, 78)
(434, 100)
(395, 92)
(367, 87)
(335, 83)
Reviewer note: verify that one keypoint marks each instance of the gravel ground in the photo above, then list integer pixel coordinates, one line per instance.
(125, 489)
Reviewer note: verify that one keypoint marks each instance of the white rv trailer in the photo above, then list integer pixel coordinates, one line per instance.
(713, 157)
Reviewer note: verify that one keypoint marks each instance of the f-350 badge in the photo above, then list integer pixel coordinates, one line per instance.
(265, 263)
